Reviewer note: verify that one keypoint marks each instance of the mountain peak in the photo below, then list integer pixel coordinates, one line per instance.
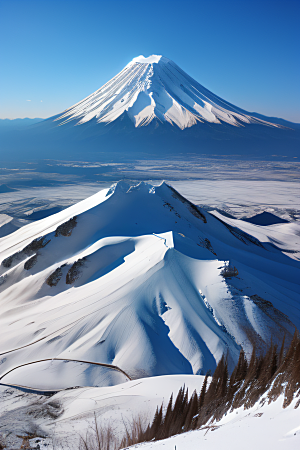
(152, 59)
(156, 89)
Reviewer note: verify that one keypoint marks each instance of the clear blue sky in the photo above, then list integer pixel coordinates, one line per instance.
(56, 52)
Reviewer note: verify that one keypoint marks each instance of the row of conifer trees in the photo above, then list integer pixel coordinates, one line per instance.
(274, 373)
(277, 371)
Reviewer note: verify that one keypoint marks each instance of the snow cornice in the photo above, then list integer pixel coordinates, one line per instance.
(152, 59)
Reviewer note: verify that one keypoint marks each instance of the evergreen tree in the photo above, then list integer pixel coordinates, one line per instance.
(168, 418)
(203, 391)
(189, 423)
(156, 424)
(281, 353)
(179, 417)
(238, 376)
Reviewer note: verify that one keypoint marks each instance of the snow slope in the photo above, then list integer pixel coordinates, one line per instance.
(113, 405)
(261, 427)
(285, 236)
(138, 291)
(10, 224)
(156, 88)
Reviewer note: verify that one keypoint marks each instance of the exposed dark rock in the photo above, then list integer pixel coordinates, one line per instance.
(29, 250)
(75, 271)
(54, 278)
(3, 279)
(65, 229)
(205, 243)
(192, 208)
(7, 262)
(229, 272)
(35, 245)
(30, 262)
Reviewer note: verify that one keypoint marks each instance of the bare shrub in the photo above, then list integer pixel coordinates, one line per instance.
(65, 229)
(134, 433)
(98, 438)
(103, 438)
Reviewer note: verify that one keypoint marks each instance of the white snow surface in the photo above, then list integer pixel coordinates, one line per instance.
(112, 405)
(261, 427)
(10, 224)
(116, 405)
(156, 88)
(149, 299)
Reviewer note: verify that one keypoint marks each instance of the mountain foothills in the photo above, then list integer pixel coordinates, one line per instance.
(136, 281)
(153, 106)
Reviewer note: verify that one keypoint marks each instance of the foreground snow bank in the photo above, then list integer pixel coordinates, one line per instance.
(260, 428)
(23, 412)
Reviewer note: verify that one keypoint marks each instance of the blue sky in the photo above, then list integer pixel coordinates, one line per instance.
(55, 53)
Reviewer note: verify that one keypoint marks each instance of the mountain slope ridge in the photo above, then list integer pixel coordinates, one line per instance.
(156, 88)
(133, 277)
(152, 107)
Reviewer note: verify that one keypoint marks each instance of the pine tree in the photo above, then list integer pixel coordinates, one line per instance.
(281, 353)
(251, 372)
(179, 400)
(214, 388)
(180, 409)
(238, 376)
(291, 365)
(203, 391)
(189, 423)
(168, 419)
(156, 424)
(176, 412)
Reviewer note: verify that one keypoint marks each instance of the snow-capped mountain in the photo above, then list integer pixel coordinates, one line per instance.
(152, 107)
(156, 88)
(137, 281)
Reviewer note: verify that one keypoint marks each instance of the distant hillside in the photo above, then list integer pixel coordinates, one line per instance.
(4, 189)
(18, 123)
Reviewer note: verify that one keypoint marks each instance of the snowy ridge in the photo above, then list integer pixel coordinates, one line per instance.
(132, 278)
(156, 88)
